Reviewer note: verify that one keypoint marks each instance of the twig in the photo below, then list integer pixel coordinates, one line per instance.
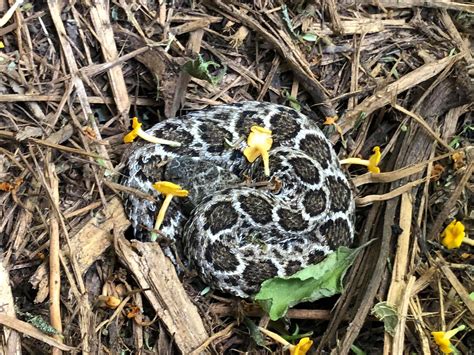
(54, 264)
(224, 333)
(139, 101)
(5, 18)
(366, 200)
(423, 124)
(11, 135)
(444, 213)
(55, 11)
(292, 54)
(399, 173)
(99, 12)
(29, 330)
(457, 285)
(398, 286)
(440, 4)
(385, 95)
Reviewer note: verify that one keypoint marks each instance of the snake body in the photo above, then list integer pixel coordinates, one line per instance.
(235, 229)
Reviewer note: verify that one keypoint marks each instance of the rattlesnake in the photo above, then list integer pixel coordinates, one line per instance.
(233, 232)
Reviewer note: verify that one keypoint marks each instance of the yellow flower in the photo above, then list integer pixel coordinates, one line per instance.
(371, 164)
(169, 190)
(374, 161)
(442, 339)
(453, 235)
(299, 349)
(2, 45)
(138, 132)
(302, 347)
(331, 120)
(259, 143)
(112, 302)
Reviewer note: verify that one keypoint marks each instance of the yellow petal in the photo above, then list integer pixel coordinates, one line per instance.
(130, 137)
(442, 341)
(251, 154)
(112, 302)
(302, 347)
(330, 120)
(259, 143)
(453, 235)
(374, 161)
(168, 188)
(135, 123)
(260, 137)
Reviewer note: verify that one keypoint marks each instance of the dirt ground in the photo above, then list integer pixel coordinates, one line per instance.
(393, 74)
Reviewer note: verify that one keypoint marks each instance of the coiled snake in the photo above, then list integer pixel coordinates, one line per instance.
(235, 232)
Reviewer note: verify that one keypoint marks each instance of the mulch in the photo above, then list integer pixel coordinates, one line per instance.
(394, 74)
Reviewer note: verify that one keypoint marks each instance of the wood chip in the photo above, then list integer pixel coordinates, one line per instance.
(154, 271)
(88, 244)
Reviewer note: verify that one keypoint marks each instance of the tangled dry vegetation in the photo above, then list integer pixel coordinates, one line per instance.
(73, 73)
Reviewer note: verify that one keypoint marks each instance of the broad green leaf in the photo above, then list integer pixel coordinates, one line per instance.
(277, 295)
(387, 314)
(199, 68)
(471, 296)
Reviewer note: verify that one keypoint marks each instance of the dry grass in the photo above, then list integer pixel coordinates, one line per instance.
(396, 73)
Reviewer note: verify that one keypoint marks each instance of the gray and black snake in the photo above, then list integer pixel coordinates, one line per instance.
(233, 231)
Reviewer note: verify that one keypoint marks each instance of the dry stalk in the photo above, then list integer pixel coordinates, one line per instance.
(54, 264)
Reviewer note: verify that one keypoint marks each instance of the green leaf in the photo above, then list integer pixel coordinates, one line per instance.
(102, 163)
(471, 296)
(199, 68)
(255, 333)
(26, 7)
(309, 37)
(11, 66)
(277, 295)
(40, 323)
(205, 291)
(294, 103)
(287, 21)
(388, 315)
(298, 336)
(358, 351)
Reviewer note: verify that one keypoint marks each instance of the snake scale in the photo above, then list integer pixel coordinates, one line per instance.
(235, 229)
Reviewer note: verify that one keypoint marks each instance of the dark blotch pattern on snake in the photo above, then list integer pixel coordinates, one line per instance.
(236, 236)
